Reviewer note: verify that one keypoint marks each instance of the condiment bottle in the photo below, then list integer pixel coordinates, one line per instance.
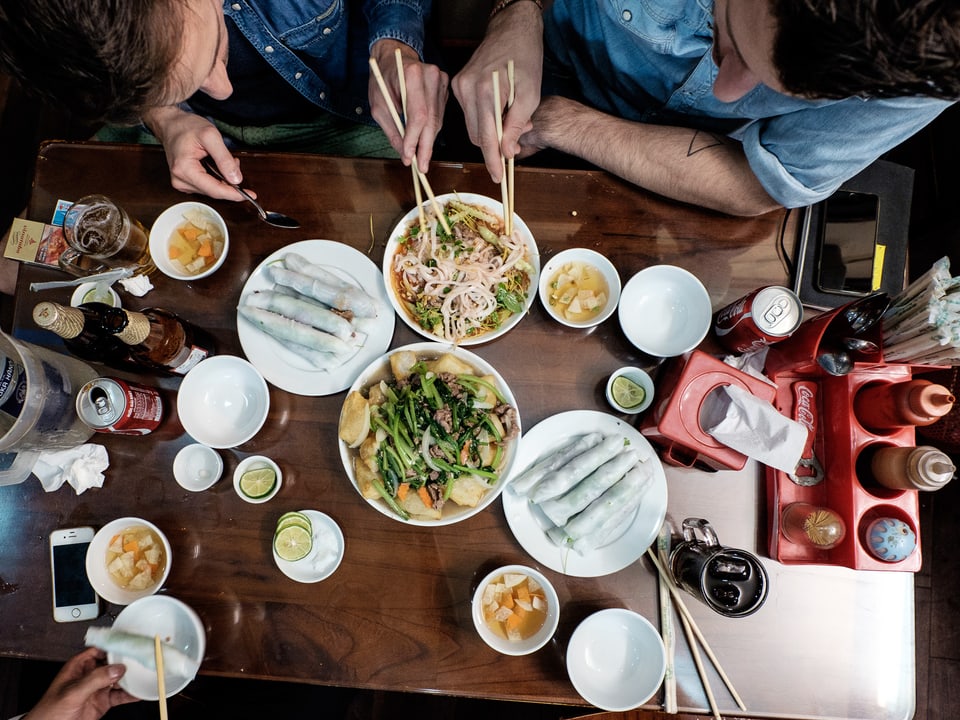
(160, 340)
(816, 527)
(911, 468)
(88, 331)
(884, 406)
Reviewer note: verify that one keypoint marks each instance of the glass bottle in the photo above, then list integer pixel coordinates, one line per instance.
(817, 527)
(161, 340)
(88, 330)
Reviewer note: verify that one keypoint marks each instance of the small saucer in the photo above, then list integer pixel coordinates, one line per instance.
(95, 292)
(641, 378)
(197, 467)
(255, 462)
(326, 555)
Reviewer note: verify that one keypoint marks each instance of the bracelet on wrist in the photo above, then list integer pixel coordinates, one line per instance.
(504, 4)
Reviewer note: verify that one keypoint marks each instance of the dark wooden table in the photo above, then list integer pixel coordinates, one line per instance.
(396, 614)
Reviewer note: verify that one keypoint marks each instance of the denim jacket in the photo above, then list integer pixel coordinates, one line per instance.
(651, 61)
(322, 47)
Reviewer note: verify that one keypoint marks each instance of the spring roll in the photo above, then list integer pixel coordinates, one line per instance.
(559, 481)
(302, 310)
(341, 297)
(291, 331)
(523, 482)
(140, 648)
(562, 508)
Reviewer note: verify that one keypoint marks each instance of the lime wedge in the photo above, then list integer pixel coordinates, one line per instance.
(294, 518)
(626, 393)
(258, 483)
(293, 543)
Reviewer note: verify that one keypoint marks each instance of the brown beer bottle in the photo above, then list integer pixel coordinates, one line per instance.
(88, 331)
(160, 340)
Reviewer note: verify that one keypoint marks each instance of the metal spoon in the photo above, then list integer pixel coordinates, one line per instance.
(272, 218)
(835, 363)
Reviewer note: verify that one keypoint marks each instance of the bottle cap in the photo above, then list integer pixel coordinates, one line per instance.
(67, 322)
(931, 400)
(935, 467)
(137, 329)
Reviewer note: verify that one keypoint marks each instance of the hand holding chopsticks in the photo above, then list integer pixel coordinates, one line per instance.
(506, 178)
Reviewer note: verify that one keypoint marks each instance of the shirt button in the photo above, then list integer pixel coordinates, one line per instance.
(627, 16)
(268, 48)
(297, 76)
(358, 110)
(236, 6)
(327, 31)
(323, 96)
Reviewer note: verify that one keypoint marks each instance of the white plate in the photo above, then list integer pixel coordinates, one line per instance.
(288, 371)
(325, 557)
(616, 555)
(497, 209)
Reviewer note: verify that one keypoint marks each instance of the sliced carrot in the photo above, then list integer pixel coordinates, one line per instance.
(206, 249)
(507, 601)
(513, 622)
(131, 546)
(174, 252)
(402, 491)
(190, 232)
(465, 452)
(425, 496)
(523, 593)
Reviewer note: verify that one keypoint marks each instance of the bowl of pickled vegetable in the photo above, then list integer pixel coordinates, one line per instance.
(128, 558)
(189, 241)
(429, 433)
(579, 287)
(516, 610)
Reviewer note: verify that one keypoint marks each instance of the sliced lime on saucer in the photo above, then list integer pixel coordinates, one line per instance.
(626, 393)
(294, 518)
(293, 543)
(258, 483)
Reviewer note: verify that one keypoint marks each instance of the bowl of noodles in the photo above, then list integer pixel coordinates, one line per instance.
(465, 287)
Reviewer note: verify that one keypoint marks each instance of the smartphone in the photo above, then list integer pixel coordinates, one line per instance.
(73, 596)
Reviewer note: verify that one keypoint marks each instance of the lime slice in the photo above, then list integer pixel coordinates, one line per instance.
(626, 393)
(258, 483)
(293, 543)
(293, 514)
(297, 519)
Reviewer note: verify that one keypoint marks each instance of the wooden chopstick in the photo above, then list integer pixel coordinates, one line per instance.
(504, 188)
(375, 68)
(413, 167)
(510, 185)
(695, 652)
(685, 613)
(161, 681)
(667, 627)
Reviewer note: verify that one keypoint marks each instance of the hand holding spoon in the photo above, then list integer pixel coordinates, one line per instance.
(271, 218)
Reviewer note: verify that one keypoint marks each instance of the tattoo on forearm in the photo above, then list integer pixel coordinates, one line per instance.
(704, 141)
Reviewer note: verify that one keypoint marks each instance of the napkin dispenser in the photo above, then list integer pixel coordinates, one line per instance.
(674, 422)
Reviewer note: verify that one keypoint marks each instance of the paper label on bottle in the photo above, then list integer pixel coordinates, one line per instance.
(196, 355)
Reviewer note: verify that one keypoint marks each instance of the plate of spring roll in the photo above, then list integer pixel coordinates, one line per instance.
(313, 315)
(588, 495)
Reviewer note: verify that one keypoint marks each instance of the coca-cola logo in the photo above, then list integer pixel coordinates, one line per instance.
(805, 407)
(731, 310)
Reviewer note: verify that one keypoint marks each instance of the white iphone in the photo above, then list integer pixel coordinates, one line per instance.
(73, 596)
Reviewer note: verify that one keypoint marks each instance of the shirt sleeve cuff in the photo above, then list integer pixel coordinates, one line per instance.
(401, 20)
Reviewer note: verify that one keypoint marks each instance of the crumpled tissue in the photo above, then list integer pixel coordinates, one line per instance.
(749, 425)
(81, 467)
(138, 285)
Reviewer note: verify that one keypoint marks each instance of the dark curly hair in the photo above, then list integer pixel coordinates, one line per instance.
(868, 48)
(97, 60)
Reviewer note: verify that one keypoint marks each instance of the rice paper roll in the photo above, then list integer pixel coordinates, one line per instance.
(562, 508)
(523, 482)
(141, 649)
(562, 479)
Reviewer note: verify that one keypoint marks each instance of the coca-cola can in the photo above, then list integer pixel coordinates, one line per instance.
(765, 316)
(111, 405)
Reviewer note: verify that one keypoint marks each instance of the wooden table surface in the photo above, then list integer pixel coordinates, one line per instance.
(396, 614)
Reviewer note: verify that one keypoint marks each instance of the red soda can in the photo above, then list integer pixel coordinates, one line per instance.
(111, 405)
(765, 316)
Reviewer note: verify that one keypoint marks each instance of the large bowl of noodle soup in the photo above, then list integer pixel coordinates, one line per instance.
(464, 289)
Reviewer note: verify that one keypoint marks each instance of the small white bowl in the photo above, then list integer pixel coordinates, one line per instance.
(641, 378)
(616, 659)
(178, 627)
(588, 257)
(223, 401)
(197, 467)
(165, 225)
(665, 311)
(255, 462)
(535, 641)
(95, 292)
(96, 562)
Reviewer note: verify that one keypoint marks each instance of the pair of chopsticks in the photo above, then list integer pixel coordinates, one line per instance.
(418, 177)
(161, 682)
(694, 636)
(506, 179)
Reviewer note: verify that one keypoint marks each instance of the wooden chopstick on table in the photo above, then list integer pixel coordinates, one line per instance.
(413, 165)
(666, 626)
(161, 681)
(511, 79)
(375, 68)
(504, 187)
(688, 618)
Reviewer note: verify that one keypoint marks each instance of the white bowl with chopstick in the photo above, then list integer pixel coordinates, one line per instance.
(616, 659)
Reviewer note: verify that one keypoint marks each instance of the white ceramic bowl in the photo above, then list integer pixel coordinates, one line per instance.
(380, 369)
(535, 641)
(223, 401)
(163, 228)
(177, 625)
(255, 462)
(665, 311)
(641, 378)
(96, 562)
(197, 467)
(492, 206)
(616, 659)
(588, 257)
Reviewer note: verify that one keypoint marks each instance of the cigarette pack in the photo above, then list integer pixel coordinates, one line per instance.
(35, 242)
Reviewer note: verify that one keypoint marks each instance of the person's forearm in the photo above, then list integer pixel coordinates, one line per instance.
(680, 163)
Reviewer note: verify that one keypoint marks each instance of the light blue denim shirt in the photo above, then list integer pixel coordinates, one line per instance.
(322, 47)
(651, 61)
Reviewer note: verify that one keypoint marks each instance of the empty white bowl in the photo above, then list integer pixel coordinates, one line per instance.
(255, 462)
(665, 311)
(538, 639)
(96, 562)
(641, 378)
(163, 229)
(616, 659)
(178, 626)
(601, 264)
(223, 401)
(197, 467)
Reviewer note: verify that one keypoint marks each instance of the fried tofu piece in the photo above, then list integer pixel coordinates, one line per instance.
(468, 490)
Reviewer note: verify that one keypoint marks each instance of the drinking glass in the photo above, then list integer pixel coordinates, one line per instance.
(102, 236)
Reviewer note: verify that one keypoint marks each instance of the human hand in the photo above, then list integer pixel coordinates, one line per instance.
(187, 139)
(515, 33)
(426, 89)
(552, 112)
(84, 689)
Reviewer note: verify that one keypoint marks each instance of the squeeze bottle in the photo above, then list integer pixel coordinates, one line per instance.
(911, 468)
(883, 406)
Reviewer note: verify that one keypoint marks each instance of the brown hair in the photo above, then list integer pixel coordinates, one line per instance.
(97, 60)
(868, 48)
